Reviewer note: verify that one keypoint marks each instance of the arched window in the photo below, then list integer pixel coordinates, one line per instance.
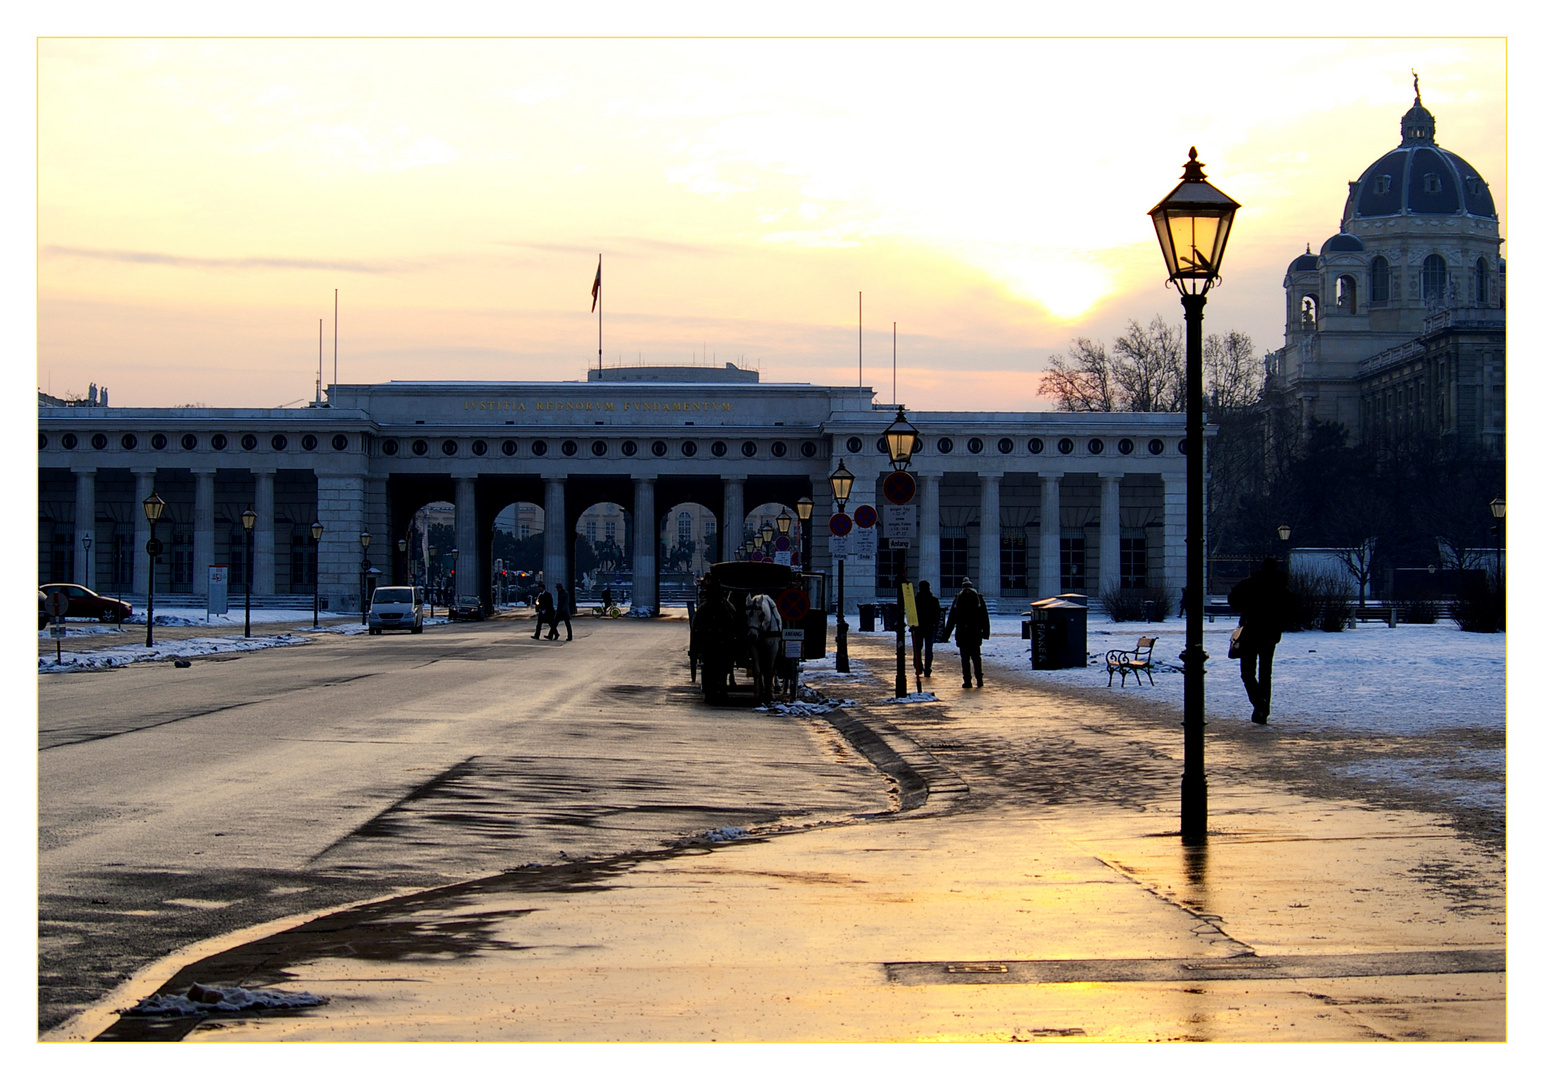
(683, 528)
(1481, 282)
(1310, 312)
(1433, 278)
(1380, 280)
(1345, 294)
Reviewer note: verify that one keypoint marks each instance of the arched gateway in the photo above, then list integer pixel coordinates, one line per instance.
(1025, 504)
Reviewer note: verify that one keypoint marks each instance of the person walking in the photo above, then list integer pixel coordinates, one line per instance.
(1264, 606)
(928, 610)
(972, 624)
(560, 614)
(544, 612)
(605, 600)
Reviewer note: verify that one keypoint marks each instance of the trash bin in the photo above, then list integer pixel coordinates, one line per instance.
(866, 618)
(1059, 634)
(892, 617)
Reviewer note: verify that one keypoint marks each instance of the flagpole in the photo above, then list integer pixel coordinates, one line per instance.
(600, 323)
(860, 339)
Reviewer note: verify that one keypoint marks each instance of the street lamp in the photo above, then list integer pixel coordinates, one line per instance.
(806, 507)
(455, 586)
(841, 488)
(766, 534)
(1498, 511)
(901, 441)
(154, 506)
(402, 558)
(1193, 222)
(364, 580)
(316, 576)
(434, 572)
(1285, 532)
(85, 578)
(248, 522)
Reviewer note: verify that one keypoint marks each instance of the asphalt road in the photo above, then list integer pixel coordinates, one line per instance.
(175, 805)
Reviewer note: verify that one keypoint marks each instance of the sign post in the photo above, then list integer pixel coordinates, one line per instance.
(57, 605)
(900, 488)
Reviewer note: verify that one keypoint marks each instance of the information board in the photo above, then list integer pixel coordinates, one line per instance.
(901, 522)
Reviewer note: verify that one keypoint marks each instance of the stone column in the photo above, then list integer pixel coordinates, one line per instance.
(990, 580)
(340, 507)
(645, 545)
(554, 536)
(1109, 531)
(203, 529)
(1050, 534)
(927, 558)
(85, 525)
(468, 575)
(1173, 565)
(144, 484)
(262, 540)
(731, 529)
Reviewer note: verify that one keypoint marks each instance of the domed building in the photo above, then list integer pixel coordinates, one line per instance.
(1397, 326)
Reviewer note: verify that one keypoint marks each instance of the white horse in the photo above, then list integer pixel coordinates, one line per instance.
(764, 632)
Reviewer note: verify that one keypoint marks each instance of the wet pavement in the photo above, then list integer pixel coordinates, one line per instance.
(1019, 879)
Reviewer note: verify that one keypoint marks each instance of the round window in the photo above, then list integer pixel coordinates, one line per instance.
(975, 446)
(1125, 446)
(854, 445)
(689, 448)
(278, 442)
(658, 447)
(598, 448)
(99, 441)
(42, 441)
(249, 442)
(779, 449)
(1005, 446)
(629, 448)
(1036, 446)
(508, 447)
(128, 442)
(570, 448)
(218, 442)
(720, 448)
(479, 447)
(449, 447)
(69, 441)
(946, 445)
(809, 448)
(420, 447)
(747, 449)
(1155, 446)
(158, 441)
(1184, 446)
(389, 447)
(1064, 446)
(308, 442)
(539, 448)
(882, 446)
(340, 442)
(190, 442)
(1096, 446)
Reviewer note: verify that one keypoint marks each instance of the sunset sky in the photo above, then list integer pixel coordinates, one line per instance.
(198, 201)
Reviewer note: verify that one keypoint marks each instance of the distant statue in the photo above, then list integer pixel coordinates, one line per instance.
(1417, 86)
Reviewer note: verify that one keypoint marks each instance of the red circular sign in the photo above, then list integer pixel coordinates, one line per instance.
(782, 543)
(865, 517)
(900, 488)
(793, 604)
(841, 524)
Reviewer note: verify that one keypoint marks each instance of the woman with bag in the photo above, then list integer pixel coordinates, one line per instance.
(1264, 606)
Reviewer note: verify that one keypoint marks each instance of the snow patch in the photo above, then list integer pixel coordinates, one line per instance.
(203, 1000)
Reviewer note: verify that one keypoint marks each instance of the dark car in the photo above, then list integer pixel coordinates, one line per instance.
(468, 608)
(42, 611)
(85, 604)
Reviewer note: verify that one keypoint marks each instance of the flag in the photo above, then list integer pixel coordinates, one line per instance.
(595, 289)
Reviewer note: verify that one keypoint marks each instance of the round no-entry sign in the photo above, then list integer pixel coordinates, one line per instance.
(865, 517)
(841, 524)
(793, 604)
(57, 604)
(782, 543)
(900, 488)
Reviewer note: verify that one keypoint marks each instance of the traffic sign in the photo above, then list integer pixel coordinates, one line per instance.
(839, 546)
(841, 524)
(153, 546)
(900, 523)
(900, 487)
(57, 604)
(782, 543)
(793, 603)
(865, 516)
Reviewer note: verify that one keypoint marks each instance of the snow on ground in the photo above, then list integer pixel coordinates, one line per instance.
(1408, 680)
(114, 656)
(825, 668)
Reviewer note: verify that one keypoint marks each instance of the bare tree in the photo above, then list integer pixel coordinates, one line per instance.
(1234, 375)
(1080, 381)
(1150, 367)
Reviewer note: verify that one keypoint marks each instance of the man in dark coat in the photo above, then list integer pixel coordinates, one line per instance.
(1264, 607)
(971, 623)
(544, 612)
(560, 614)
(928, 611)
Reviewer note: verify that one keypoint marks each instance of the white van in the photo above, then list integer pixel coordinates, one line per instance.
(397, 607)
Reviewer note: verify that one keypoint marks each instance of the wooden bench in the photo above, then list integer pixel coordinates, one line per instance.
(1131, 662)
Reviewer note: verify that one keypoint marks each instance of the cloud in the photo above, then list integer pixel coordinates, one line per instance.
(250, 262)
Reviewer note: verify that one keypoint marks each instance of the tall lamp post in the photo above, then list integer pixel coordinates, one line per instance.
(402, 559)
(806, 507)
(784, 523)
(316, 575)
(1498, 511)
(154, 506)
(248, 522)
(364, 579)
(455, 586)
(1285, 532)
(901, 441)
(433, 572)
(85, 577)
(841, 490)
(1193, 222)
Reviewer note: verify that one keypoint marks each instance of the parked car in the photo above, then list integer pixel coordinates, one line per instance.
(85, 604)
(42, 611)
(397, 607)
(468, 608)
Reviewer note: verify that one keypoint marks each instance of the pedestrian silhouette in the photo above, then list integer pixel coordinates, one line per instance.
(1264, 606)
(971, 623)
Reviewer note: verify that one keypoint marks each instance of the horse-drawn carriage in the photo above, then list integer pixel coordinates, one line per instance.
(744, 613)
